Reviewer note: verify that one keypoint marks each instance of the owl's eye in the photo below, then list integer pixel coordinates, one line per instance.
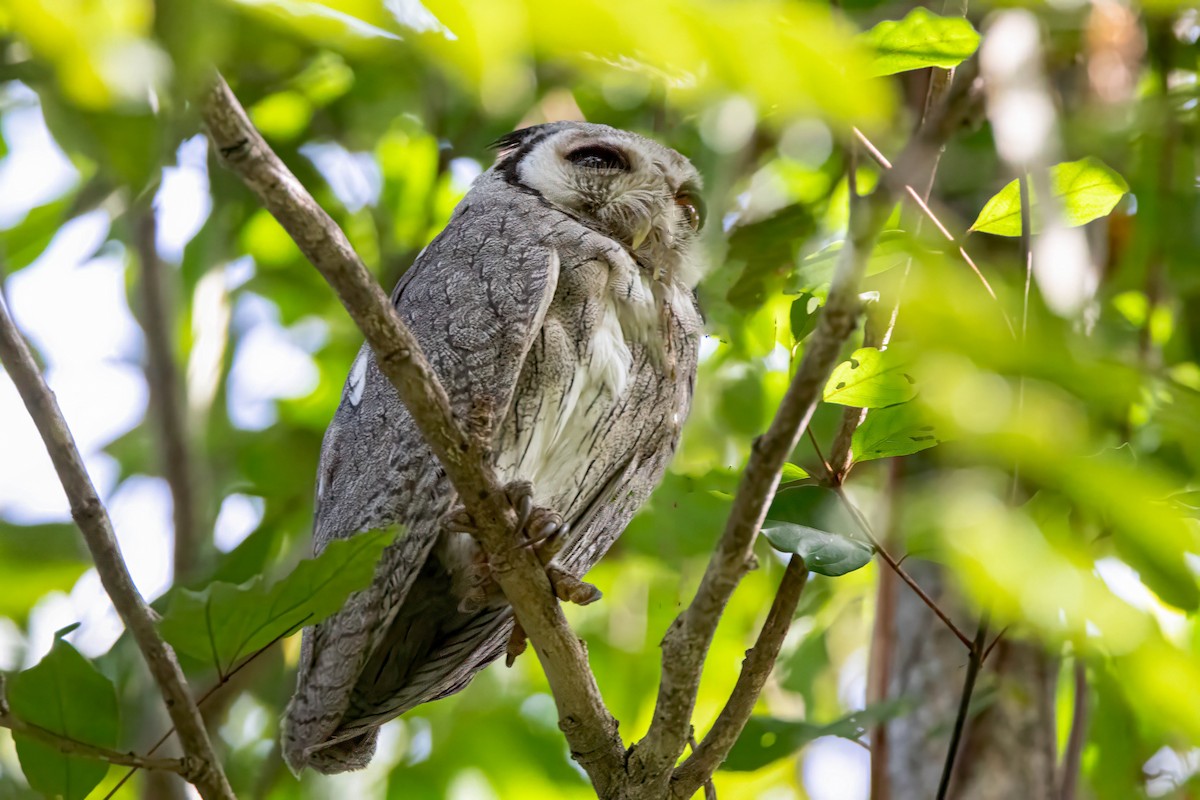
(693, 209)
(599, 156)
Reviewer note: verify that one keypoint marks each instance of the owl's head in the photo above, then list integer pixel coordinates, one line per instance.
(634, 190)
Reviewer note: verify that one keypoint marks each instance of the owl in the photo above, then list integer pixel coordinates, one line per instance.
(557, 309)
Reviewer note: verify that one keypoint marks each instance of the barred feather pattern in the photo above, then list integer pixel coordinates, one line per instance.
(587, 361)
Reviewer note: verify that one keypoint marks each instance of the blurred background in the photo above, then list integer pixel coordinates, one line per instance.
(1062, 495)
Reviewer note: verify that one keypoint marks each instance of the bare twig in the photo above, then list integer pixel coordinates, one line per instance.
(1073, 756)
(588, 726)
(74, 747)
(711, 752)
(166, 399)
(93, 521)
(865, 527)
(974, 660)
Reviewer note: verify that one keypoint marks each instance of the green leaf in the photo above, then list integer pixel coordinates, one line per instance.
(793, 473)
(804, 313)
(768, 739)
(1088, 189)
(921, 39)
(823, 552)
(767, 249)
(895, 431)
(25, 241)
(67, 696)
(872, 378)
(225, 622)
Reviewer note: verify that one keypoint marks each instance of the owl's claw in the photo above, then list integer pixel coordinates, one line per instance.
(516, 644)
(570, 589)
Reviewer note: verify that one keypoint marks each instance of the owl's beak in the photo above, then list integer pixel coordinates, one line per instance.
(645, 225)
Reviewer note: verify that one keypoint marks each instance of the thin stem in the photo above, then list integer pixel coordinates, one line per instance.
(964, 706)
(1078, 736)
(865, 526)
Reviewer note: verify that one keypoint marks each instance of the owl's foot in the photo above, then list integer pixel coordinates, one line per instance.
(540, 529)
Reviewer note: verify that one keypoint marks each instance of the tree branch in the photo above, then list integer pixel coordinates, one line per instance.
(686, 643)
(712, 752)
(166, 400)
(93, 521)
(587, 724)
(73, 747)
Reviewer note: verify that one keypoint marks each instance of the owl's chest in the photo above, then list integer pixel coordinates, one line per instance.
(595, 384)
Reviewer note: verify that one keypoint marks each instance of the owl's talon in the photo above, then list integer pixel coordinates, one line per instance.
(460, 521)
(517, 644)
(520, 496)
(570, 589)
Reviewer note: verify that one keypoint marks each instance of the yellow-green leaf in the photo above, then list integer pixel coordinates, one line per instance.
(872, 378)
(1088, 189)
(921, 39)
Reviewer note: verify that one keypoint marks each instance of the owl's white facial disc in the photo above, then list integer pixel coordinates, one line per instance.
(641, 194)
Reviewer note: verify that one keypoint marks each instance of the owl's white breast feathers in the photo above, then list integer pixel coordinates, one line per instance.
(561, 438)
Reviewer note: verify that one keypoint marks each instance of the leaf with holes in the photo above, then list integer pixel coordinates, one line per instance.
(922, 39)
(1088, 189)
(65, 694)
(896, 431)
(823, 552)
(768, 739)
(872, 378)
(224, 622)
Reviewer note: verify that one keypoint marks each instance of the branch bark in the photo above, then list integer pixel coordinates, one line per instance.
(93, 521)
(590, 729)
(712, 752)
(73, 747)
(166, 399)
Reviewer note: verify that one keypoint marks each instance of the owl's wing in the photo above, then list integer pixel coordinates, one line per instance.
(475, 299)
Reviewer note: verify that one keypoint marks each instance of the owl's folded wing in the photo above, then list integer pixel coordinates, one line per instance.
(475, 299)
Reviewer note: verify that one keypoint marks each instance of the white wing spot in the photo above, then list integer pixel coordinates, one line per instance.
(358, 379)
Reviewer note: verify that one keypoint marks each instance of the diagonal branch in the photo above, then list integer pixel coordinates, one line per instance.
(711, 752)
(686, 643)
(92, 518)
(587, 724)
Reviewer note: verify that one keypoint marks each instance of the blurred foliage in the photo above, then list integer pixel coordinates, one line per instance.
(385, 111)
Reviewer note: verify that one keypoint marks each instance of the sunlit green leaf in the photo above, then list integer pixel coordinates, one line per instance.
(824, 553)
(921, 39)
(893, 248)
(224, 622)
(67, 696)
(872, 378)
(1088, 189)
(791, 472)
(896, 431)
(767, 739)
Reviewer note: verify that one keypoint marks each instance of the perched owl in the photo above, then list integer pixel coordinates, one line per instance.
(559, 301)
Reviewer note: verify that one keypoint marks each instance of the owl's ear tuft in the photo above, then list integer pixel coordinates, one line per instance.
(521, 141)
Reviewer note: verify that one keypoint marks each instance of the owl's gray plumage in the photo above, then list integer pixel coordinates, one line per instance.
(558, 299)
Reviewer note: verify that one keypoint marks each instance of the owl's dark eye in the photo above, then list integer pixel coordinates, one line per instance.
(599, 156)
(693, 209)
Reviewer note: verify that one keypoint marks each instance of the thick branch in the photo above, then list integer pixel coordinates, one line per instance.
(166, 398)
(590, 729)
(712, 752)
(93, 522)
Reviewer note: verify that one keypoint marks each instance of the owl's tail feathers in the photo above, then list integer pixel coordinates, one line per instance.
(343, 756)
